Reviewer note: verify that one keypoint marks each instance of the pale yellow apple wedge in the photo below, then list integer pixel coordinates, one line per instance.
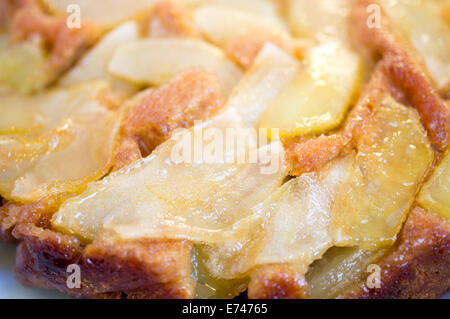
(106, 13)
(155, 61)
(268, 9)
(338, 269)
(358, 200)
(22, 66)
(435, 194)
(94, 65)
(213, 199)
(318, 98)
(272, 70)
(220, 24)
(424, 25)
(319, 17)
(72, 143)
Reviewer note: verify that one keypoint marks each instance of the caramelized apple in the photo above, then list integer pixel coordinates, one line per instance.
(320, 17)
(209, 287)
(19, 113)
(272, 70)
(22, 66)
(220, 23)
(338, 269)
(435, 194)
(294, 226)
(107, 13)
(71, 146)
(427, 30)
(155, 61)
(394, 156)
(319, 97)
(213, 197)
(94, 66)
(358, 200)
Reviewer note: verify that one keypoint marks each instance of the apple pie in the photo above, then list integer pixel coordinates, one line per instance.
(214, 148)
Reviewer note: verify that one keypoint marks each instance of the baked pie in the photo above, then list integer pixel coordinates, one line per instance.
(210, 148)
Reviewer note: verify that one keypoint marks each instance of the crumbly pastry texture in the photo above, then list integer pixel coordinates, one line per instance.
(59, 165)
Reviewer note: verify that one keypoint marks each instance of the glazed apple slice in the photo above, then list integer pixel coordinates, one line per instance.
(317, 18)
(155, 61)
(213, 196)
(272, 70)
(426, 28)
(106, 13)
(19, 113)
(72, 145)
(294, 228)
(339, 268)
(319, 97)
(94, 65)
(220, 23)
(435, 194)
(22, 66)
(394, 156)
(265, 8)
(359, 200)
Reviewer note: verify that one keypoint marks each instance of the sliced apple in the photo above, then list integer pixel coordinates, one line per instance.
(220, 24)
(155, 61)
(272, 70)
(241, 219)
(359, 200)
(265, 8)
(435, 194)
(94, 66)
(22, 66)
(106, 13)
(71, 146)
(208, 287)
(394, 156)
(319, 97)
(427, 30)
(320, 17)
(213, 199)
(294, 227)
(338, 269)
(19, 113)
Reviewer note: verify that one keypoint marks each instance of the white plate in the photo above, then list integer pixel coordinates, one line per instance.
(10, 288)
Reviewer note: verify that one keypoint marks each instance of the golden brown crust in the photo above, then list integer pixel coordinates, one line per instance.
(406, 72)
(65, 44)
(277, 282)
(11, 215)
(168, 19)
(134, 269)
(192, 95)
(108, 269)
(5, 13)
(398, 73)
(310, 153)
(418, 266)
(127, 153)
(245, 48)
(305, 155)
